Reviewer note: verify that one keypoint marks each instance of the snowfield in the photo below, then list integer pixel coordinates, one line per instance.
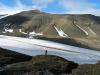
(34, 47)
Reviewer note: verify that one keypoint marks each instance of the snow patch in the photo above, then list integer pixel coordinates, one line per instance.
(83, 30)
(35, 34)
(37, 47)
(32, 34)
(4, 16)
(20, 30)
(9, 30)
(61, 32)
(91, 31)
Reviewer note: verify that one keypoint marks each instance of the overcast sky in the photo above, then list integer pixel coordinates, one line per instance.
(51, 6)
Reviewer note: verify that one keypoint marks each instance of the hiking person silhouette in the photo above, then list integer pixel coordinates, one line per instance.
(45, 52)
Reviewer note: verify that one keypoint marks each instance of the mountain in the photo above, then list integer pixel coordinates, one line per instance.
(84, 28)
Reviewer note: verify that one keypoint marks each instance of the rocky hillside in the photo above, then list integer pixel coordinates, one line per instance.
(83, 28)
(42, 65)
(51, 65)
(9, 57)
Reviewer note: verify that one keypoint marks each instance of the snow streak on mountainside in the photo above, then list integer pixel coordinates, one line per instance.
(83, 30)
(60, 32)
(3, 16)
(37, 47)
